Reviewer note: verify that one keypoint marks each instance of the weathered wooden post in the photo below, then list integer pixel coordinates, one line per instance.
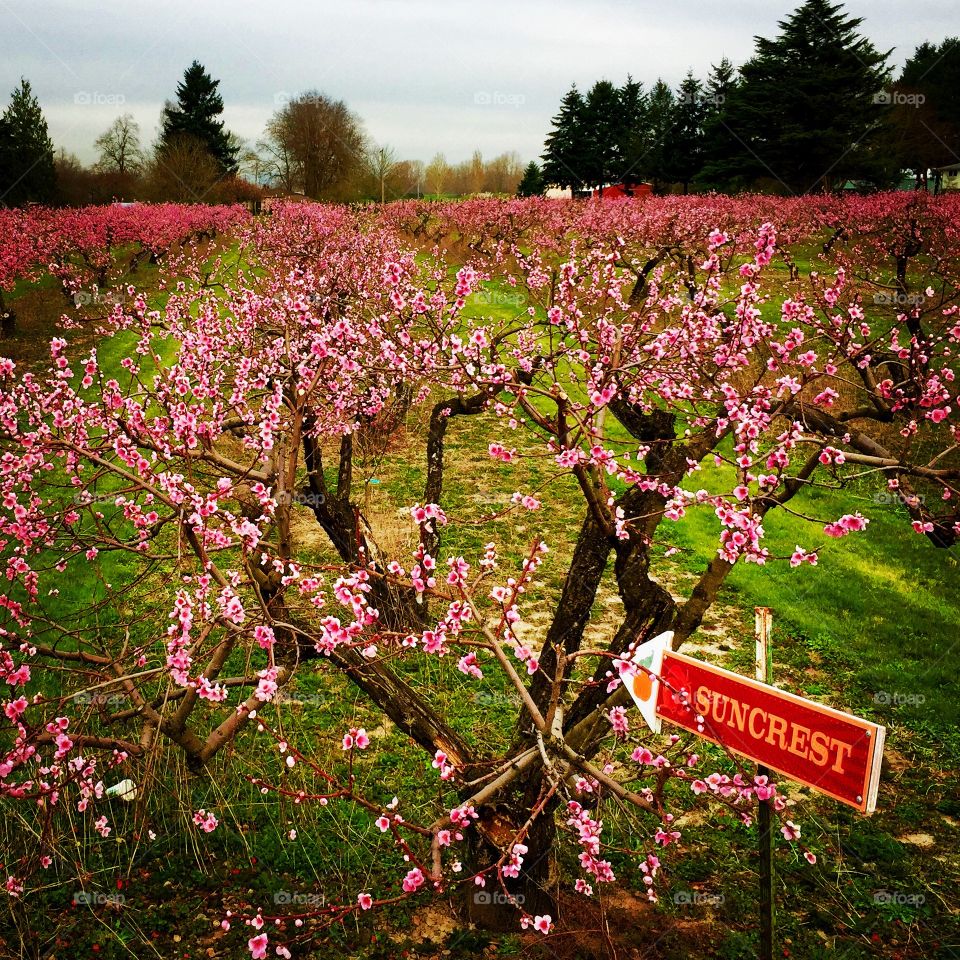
(764, 672)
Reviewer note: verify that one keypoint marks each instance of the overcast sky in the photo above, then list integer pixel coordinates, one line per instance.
(424, 75)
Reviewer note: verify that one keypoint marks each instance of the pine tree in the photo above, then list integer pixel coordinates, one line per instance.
(633, 117)
(684, 159)
(808, 110)
(196, 114)
(565, 151)
(27, 172)
(935, 71)
(924, 121)
(661, 105)
(721, 82)
(603, 127)
(7, 160)
(720, 145)
(531, 184)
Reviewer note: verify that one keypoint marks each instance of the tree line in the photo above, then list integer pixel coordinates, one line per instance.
(815, 108)
(312, 145)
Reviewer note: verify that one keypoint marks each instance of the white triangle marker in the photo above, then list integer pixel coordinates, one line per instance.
(641, 686)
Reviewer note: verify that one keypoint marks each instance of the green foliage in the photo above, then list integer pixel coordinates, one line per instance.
(633, 111)
(805, 113)
(564, 154)
(657, 152)
(737, 946)
(27, 173)
(531, 185)
(602, 132)
(809, 111)
(935, 71)
(719, 142)
(687, 136)
(196, 115)
(924, 120)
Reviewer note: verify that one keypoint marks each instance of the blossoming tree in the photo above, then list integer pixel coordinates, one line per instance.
(651, 377)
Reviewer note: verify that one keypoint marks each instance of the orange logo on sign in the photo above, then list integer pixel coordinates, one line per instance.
(642, 685)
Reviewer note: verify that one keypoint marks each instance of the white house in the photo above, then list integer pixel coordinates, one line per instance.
(949, 177)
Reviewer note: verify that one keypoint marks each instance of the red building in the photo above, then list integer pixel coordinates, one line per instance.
(615, 190)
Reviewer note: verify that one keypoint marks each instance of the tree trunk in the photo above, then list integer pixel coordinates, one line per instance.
(535, 889)
(352, 538)
(576, 601)
(8, 321)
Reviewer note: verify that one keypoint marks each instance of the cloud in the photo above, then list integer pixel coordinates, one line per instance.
(413, 69)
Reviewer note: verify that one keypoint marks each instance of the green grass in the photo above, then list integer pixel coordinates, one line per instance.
(871, 629)
(881, 609)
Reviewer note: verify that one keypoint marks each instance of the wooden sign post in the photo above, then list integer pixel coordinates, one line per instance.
(763, 620)
(832, 752)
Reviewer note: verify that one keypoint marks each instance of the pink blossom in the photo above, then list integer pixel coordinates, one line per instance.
(790, 830)
(468, 665)
(543, 924)
(848, 523)
(206, 821)
(618, 720)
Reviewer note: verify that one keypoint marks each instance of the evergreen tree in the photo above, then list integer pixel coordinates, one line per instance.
(686, 137)
(935, 71)
(603, 134)
(7, 159)
(924, 120)
(721, 82)
(809, 108)
(633, 116)
(565, 151)
(196, 115)
(27, 172)
(657, 149)
(720, 145)
(531, 184)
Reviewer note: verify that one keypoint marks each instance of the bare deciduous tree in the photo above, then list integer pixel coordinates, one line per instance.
(314, 145)
(503, 173)
(437, 173)
(119, 146)
(183, 171)
(382, 164)
(410, 177)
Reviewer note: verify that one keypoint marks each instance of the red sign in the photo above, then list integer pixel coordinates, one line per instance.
(833, 752)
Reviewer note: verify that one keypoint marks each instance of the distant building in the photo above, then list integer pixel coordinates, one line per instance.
(611, 190)
(948, 177)
(858, 186)
(614, 191)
